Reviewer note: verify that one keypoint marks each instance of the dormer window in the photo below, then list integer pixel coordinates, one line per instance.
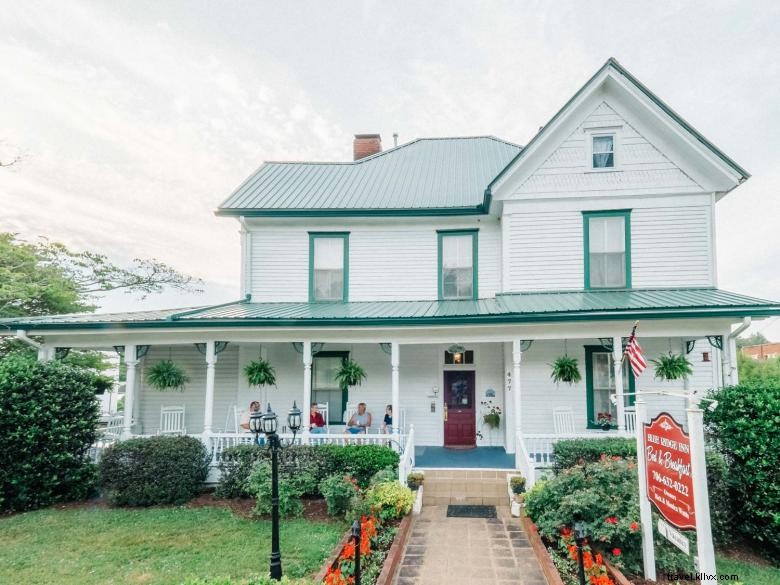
(603, 153)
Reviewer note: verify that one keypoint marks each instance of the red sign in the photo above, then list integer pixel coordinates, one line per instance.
(668, 464)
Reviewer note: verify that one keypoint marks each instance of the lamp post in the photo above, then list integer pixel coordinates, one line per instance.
(356, 535)
(579, 537)
(267, 424)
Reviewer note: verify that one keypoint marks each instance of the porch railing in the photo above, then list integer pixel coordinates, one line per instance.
(406, 463)
(524, 463)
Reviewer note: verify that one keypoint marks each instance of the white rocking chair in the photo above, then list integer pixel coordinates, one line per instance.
(323, 408)
(172, 421)
(630, 418)
(563, 420)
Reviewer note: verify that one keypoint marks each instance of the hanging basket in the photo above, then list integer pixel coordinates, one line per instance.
(260, 373)
(566, 369)
(166, 375)
(350, 374)
(672, 367)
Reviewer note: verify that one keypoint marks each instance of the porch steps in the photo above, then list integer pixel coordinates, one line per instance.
(465, 486)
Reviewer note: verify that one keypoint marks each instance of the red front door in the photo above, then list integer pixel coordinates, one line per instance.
(459, 426)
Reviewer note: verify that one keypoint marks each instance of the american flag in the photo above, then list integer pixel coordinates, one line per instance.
(634, 354)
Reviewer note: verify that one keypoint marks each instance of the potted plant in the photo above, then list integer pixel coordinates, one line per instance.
(414, 480)
(166, 375)
(492, 417)
(260, 372)
(672, 367)
(565, 369)
(517, 485)
(350, 374)
(604, 420)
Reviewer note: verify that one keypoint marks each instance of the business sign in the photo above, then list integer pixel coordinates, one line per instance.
(668, 464)
(674, 536)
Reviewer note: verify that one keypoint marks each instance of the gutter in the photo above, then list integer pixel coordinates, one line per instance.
(745, 324)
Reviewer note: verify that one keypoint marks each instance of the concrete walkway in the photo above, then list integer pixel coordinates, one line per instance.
(472, 551)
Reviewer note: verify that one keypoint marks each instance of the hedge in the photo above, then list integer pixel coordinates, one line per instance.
(154, 470)
(571, 452)
(48, 421)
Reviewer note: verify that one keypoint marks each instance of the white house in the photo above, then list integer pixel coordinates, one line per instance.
(455, 271)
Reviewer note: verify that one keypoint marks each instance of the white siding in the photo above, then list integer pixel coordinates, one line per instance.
(394, 260)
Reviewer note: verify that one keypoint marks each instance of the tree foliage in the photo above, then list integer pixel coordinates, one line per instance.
(758, 371)
(754, 339)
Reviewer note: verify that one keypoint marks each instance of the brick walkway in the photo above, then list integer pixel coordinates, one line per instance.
(472, 551)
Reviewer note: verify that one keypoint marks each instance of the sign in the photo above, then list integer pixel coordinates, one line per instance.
(668, 465)
(674, 536)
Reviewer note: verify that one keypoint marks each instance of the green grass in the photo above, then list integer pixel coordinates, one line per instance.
(749, 573)
(153, 546)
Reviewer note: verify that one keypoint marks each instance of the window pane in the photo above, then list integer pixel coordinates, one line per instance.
(602, 371)
(601, 403)
(329, 253)
(457, 251)
(603, 152)
(328, 269)
(607, 234)
(457, 267)
(607, 242)
(325, 369)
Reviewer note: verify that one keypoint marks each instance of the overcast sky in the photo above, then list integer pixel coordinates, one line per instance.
(136, 119)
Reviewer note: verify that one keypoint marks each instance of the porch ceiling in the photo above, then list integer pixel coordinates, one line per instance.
(537, 307)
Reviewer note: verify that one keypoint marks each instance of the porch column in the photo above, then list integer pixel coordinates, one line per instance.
(517, 356)
(617, 363)
(306, 406)
(208, 414)
(45, 353)
(395, 382)
(131, 361)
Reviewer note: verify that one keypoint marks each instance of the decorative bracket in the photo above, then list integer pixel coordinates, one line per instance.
(387, 348)
(689, 345)
(525, 344)
(140, 350)
(606, 343)
(219, 347)
(716, 341)
(315, 347)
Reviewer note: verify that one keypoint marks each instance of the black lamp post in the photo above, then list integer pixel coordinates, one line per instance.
(267, 424)
(579, 537)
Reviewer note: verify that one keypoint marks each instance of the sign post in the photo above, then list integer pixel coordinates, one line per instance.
(704, 545)
(645, 511)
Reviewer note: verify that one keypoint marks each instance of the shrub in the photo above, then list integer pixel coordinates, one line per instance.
(391, 500)
(383, 475)
(722, 516)
(339, 491)
(259, 485)
(604, 495)
(744, 428)
(48, 421)
(154, 470)
(359, 461)
(571, 452)
(235, 466)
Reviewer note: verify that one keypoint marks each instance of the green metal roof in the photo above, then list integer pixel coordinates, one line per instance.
(535, 307)
(429, 175)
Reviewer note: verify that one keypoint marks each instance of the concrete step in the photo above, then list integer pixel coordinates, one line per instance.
(465, 486)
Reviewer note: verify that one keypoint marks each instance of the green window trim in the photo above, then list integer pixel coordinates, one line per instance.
(591, 415)
(474, 233)
(345, 292)
(344, 355)
(586, 215)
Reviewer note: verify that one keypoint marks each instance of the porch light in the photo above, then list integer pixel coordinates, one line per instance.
(256, 422)
(269, 421)
(579, 529)
(294, 418)
(579, 538)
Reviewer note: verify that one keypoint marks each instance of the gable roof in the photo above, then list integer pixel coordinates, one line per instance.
(436, 176)
(611, 66)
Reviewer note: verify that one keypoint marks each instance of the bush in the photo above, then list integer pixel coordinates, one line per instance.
(235, 466)
(571, 452)
(359, 461)
(745, 430)
(154, 470)
(604, 495)
(339, 491)
(383, 475)
(259, 485)
(48, 421)
(722, 517)
(391, 500)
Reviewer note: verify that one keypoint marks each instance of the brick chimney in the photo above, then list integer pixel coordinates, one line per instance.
(366, 145)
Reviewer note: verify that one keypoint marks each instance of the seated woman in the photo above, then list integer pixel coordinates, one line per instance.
(359, 422)
(254, 406)
(316, 420)
(387, 423)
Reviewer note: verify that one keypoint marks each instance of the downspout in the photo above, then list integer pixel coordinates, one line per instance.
(731, 351)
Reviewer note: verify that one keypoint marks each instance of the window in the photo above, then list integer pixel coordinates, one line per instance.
(600, 383)
(328, 266)
(324, 387)
(459, 357)
(607, 249)
(458, 264)
(603, 152)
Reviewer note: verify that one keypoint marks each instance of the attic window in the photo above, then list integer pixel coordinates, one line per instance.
(604, 151)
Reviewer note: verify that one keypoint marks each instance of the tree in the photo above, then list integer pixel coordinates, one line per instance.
(755, 339)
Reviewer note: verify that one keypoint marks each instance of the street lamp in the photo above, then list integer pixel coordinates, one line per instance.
(267, 423)
(579, 537)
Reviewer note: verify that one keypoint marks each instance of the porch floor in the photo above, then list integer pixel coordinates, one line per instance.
(477, 458)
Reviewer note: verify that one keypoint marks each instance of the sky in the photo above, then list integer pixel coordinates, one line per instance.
(135, 119)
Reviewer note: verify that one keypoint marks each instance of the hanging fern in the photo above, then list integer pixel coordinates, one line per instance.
(565, 369)
(260, 373)
(166, 375)
(350, 374)
(672, 367)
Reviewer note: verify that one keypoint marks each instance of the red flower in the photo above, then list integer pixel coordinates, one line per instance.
(634, 527)
(565, 531)
(348, 552)
(612, 520)
(616, 552)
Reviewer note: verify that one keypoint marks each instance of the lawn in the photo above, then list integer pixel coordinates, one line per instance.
(163, 546)
(750, 573)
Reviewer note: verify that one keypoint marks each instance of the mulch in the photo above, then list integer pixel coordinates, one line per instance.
(314, 509)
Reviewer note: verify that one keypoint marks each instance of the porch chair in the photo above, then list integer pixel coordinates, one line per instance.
(563, 420)
(630, 418)
(323, 408)
(172, 421)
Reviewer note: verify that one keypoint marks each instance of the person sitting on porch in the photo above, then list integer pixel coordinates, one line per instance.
(254, 406)
(316, 420)
(360, 421)
(387, 423)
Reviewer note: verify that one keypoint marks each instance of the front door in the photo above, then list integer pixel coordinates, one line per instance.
(459, 418)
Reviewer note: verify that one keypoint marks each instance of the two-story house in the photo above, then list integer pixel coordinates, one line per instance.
(455, 271)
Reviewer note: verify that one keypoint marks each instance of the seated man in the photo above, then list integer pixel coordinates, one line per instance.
(254, 406)
(360, 421)
(387, 423)
(316, 420)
